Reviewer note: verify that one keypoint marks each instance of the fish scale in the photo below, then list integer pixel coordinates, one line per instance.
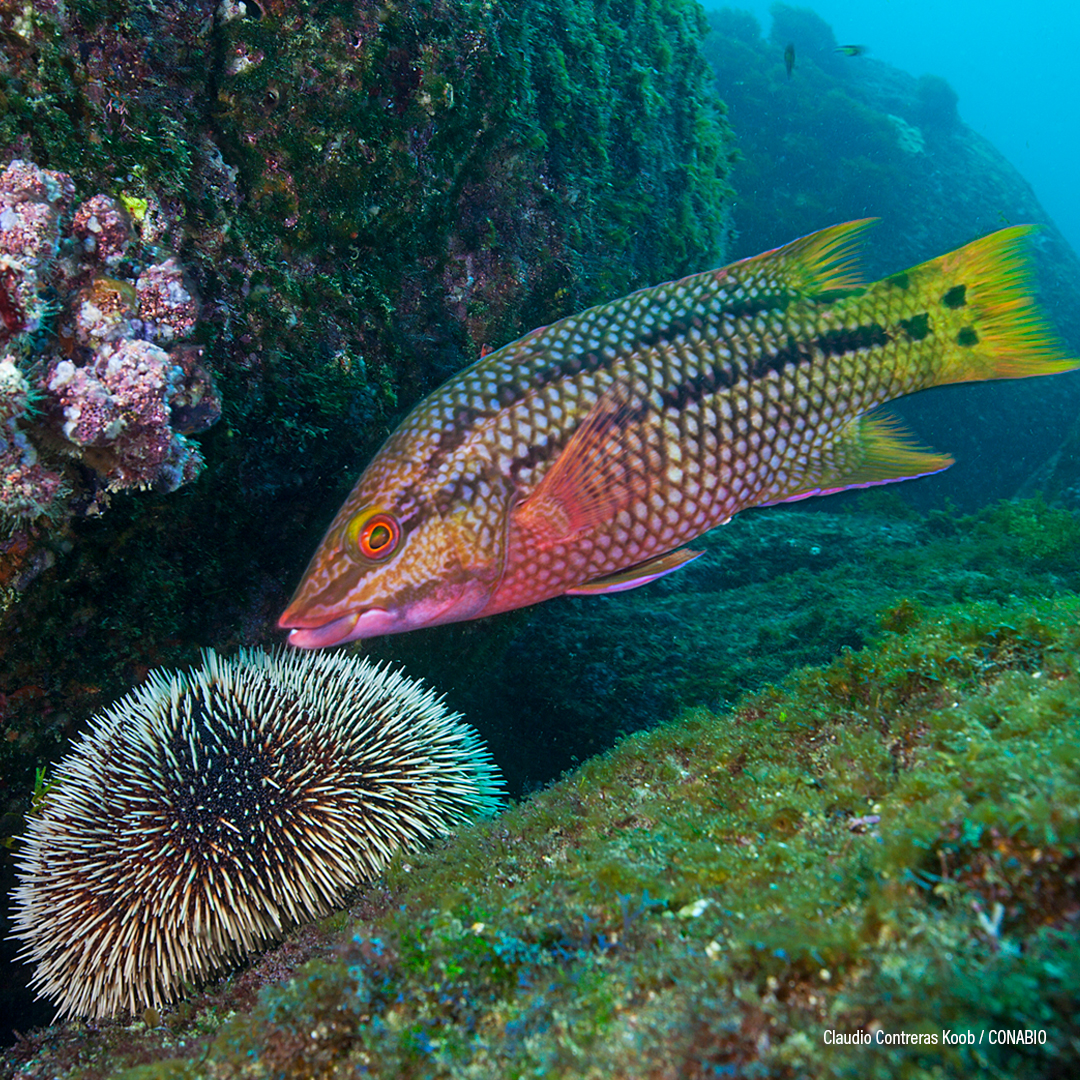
(579, 458)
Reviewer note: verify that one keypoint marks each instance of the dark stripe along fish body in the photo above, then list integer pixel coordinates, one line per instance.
(579, 458)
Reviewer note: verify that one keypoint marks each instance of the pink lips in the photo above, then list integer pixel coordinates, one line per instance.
(463, 603)
(363, 624)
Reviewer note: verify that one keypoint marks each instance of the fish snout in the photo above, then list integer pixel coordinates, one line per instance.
(349, 627)
(444, 605)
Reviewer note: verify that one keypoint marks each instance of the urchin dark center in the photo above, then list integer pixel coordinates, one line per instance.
(227, 799)
(233, 789)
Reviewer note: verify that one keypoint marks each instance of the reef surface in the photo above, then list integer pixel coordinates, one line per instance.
(370, 195)
(887, 844)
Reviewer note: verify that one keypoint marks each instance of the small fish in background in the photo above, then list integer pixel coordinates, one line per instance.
(579, 459)
(852, 50)
(789, 59)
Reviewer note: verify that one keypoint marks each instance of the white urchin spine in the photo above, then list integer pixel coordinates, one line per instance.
(205, 813)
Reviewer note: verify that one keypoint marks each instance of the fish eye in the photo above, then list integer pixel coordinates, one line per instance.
(376, 536)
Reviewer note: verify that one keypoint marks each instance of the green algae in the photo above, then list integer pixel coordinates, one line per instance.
(889, 843)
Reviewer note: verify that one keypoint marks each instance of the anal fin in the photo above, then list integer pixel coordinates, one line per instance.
(874, 450)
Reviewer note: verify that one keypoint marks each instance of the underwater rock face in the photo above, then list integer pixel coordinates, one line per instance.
(420, 181)
(362, 197)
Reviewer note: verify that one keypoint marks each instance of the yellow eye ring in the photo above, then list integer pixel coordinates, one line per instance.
(377, 537)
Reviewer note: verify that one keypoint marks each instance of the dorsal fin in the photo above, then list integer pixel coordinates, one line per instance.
(822, 262)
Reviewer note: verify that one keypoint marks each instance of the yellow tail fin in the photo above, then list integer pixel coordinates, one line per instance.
(979, 305)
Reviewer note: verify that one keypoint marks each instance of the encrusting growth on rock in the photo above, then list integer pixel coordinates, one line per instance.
(93, 320)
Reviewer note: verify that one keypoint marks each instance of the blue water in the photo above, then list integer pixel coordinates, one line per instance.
(1013, 65)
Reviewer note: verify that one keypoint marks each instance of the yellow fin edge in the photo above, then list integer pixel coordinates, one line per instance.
(822, 261)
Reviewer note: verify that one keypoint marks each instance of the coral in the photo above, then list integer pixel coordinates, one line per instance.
(194, 404)
(32, 201)
(103, 311)
(204, 814)
(114, 399)
(14, 393)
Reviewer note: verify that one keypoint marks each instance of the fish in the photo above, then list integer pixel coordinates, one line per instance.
(789, 59)
(852, 50)
(580, 459)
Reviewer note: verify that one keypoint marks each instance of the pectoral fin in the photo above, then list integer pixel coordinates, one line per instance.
(633, 576)
(586, 485)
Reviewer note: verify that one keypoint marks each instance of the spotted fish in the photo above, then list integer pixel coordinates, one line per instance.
(581, 457)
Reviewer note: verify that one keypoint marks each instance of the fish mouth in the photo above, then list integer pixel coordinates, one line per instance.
(306, 632)
(370, 622)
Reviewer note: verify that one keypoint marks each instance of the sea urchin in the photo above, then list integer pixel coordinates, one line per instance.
(206, 813)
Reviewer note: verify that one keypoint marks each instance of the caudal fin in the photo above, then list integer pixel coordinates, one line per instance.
(978, 304)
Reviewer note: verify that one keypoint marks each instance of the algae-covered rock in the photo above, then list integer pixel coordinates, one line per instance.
(887, 847)
(365, 196)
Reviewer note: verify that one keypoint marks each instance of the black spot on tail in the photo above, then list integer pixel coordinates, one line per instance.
(917, 327)
(967, 337)
(956, 297)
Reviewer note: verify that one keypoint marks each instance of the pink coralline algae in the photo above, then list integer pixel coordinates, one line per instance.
(27, 488)
(118, 409)
(102, 229)
(165, 305)
(109, 388)
(32, 201)
(102, 312)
